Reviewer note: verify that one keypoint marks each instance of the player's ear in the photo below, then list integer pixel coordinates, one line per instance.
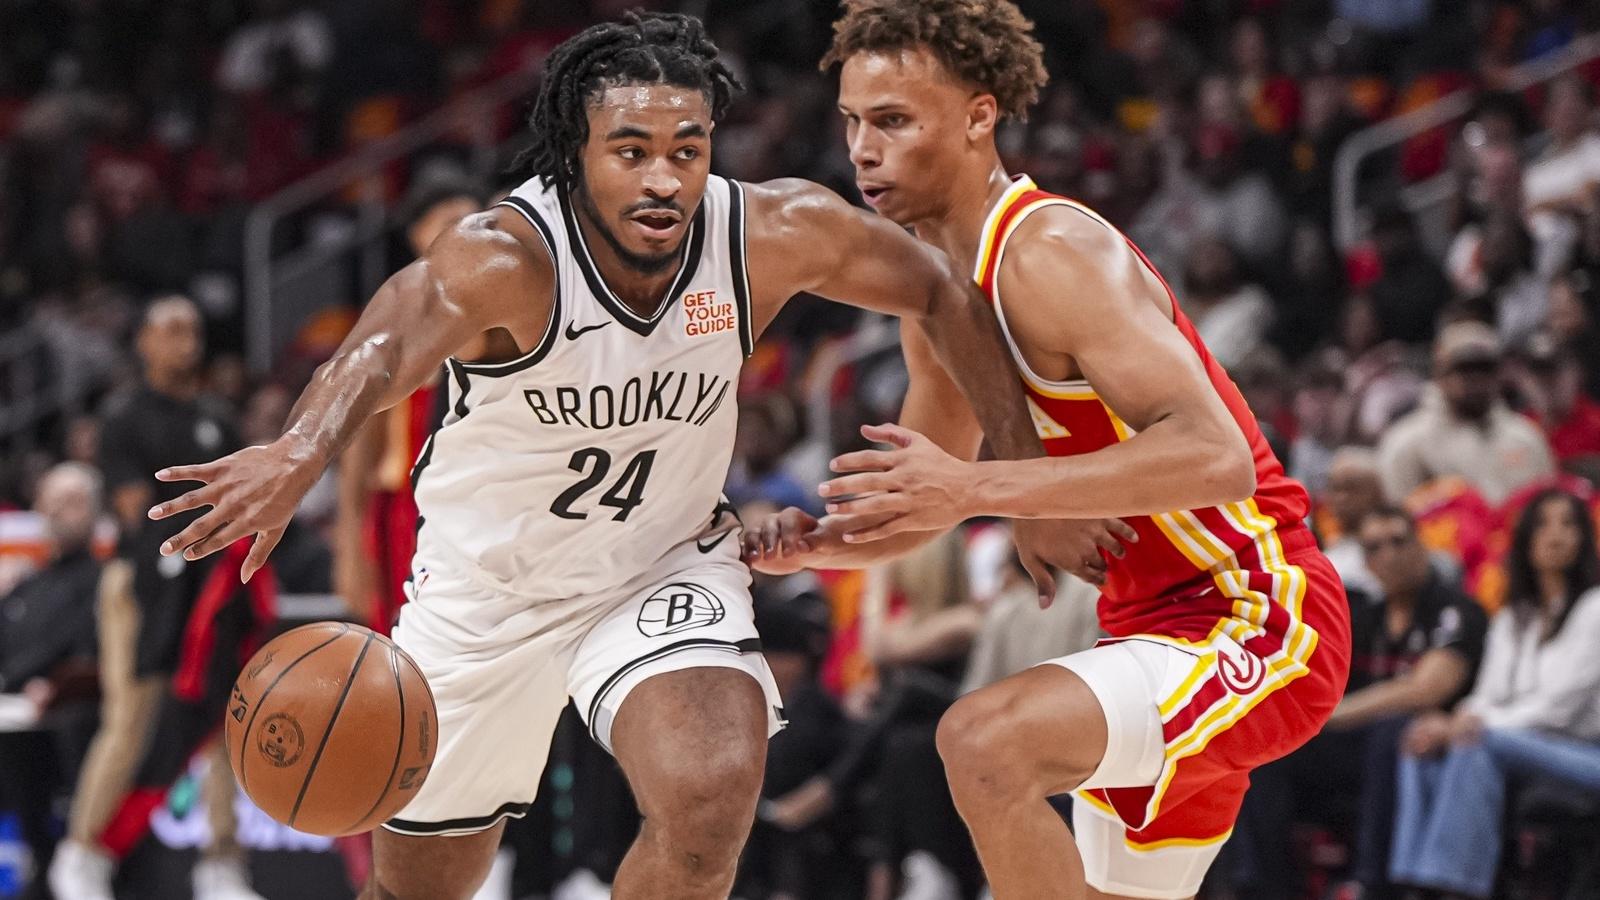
(983, 115)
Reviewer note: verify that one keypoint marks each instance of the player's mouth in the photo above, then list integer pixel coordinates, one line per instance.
(657, 224)
(873, 193)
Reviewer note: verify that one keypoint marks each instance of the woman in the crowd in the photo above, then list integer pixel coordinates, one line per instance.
(1534, 712)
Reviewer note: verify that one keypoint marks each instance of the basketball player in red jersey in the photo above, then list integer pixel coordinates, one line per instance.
(1230, 630)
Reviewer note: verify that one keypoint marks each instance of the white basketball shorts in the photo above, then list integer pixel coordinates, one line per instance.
(502, 669)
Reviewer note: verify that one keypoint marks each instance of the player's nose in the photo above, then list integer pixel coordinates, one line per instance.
(660, 181)
(864, 152)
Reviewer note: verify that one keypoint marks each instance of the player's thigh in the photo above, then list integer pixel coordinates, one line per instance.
(673, 683)
(406, 867)
(693, 742)
(1091, 719)
(1040, 730)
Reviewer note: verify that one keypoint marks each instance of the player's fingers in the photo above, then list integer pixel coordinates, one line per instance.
(888, 528)
(1108, 542)
(1095, 575)
(1044, 581)
(863, 461)
(196, 532)
(259, 551)
(889, 433)
(874, 505)
(1123, 530)
(201, 496)
(226, 533)
(750, 543)
(861, 484)
(201, 472)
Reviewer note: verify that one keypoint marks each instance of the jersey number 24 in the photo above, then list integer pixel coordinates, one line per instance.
(594, 464)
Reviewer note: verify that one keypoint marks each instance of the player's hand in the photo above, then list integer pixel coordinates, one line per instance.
(779, 542)
(1073, 545)
(915, 486)
(254, 491)
(1428, 734)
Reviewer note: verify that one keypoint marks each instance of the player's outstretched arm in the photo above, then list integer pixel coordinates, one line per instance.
(805, 238)
(482, 274)
(1077, 284)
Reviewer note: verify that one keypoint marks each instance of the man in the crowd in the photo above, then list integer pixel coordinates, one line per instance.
(1463, 428)
(1416, 644)
(150, 723)
(47, 660)
(1354, 489)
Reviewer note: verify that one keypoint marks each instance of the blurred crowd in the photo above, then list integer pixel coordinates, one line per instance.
(1435, 384)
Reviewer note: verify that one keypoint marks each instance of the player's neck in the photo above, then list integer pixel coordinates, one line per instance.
(959, 229)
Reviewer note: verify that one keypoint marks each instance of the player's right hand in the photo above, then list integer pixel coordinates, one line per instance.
(254, 491)
(778, 543)
(1072, 545)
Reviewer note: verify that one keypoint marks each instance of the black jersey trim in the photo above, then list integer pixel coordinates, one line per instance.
(736, 263)
(547, 340)
(748, 645)
(458, 826)
(463, 385)
(693, 245)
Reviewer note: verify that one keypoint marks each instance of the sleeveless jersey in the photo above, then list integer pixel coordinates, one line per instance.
(574, 468)
(1192, 570)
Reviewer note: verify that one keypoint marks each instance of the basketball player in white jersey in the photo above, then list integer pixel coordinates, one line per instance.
(571, 541)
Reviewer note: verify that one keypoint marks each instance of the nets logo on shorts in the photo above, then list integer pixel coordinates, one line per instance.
(679, 607)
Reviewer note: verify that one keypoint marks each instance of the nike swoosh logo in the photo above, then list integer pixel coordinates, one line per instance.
(723, 506)
(575, 333)
(707, 548)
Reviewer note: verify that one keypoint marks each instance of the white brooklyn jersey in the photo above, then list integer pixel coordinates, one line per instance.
(576, 467)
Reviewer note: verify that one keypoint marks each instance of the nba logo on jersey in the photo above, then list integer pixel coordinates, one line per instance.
(679, 607)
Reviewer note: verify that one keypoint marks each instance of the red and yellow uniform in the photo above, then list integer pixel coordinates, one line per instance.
(1251, 617)
(390, 528)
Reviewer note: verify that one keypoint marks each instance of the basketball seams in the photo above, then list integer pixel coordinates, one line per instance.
(327, 732)
(400, 741)
(244, 734)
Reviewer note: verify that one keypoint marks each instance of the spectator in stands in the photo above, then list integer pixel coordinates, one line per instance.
(1535, 710)
(1463, 428)
(1574, 321)
(1551, 383)
(145, 604)
(1416, 644)
(1561, 178)
(1231, 314)
(47, 660)
(1354, 491)
(1411, 291)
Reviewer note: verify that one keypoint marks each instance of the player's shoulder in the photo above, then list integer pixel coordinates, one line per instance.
(1064, 236)
(497, 239)
(793, 203)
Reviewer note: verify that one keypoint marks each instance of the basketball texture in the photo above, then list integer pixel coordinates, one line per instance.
(331, 729)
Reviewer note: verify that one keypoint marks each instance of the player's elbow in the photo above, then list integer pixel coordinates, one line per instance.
(1232, 471)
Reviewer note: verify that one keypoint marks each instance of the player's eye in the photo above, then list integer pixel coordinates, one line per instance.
(688, 153)
(631, 153)
(894, 120)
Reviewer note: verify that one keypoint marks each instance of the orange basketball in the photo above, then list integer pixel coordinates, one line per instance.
(331, 729)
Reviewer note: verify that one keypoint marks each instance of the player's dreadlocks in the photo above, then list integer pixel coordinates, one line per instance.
(645, 48)
(987, 43)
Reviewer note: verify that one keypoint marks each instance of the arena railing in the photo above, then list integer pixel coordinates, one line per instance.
(1349, 220)
(281, 290)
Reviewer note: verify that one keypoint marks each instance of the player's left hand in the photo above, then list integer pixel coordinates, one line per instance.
(1466, 728)
(915, 486)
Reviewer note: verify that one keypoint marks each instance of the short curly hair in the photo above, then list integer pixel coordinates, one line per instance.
(987, 43)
